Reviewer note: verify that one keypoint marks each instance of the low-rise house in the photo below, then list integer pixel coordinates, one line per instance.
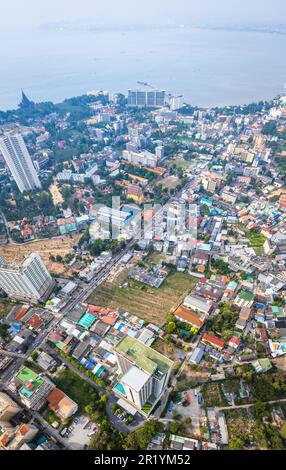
(61, 404)
(197, 355)
(45, 361)
(199, 304)
(244, 299)
(213, 341)
(262, 365)
(182, 443)
(188, 316)
(234, 342)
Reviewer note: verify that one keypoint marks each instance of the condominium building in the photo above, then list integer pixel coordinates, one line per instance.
(29, 281)
(8, 407)
(176, 102)
(33, 388)
(144, 374)
(19, 162)
(144, 158)
(141, 98)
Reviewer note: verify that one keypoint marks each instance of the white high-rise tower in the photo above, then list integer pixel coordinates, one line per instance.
(29, 281)
(19, 162)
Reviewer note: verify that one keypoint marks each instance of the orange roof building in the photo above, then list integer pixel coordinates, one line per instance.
(188, 316)
(61, 404)
(213, 340)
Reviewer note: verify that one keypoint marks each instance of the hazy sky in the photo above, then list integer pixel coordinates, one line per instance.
(27, 13)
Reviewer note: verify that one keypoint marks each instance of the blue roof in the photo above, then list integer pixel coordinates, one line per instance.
(197, 355)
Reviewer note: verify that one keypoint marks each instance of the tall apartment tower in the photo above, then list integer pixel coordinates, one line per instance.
(176, 102)
(19, 162)
(29, 281)
(144, 374)
(151, 98)
(8, 407)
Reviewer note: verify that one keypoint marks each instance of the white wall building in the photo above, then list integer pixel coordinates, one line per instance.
(144, 374)
(19, 162)
(29, 281)
(140, 98)
(177, 102)
(144, 158)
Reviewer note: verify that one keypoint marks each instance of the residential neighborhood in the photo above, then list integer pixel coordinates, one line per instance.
(143, 284)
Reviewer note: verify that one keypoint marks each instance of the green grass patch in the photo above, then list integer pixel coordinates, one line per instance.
(77, 389)
(149, 303)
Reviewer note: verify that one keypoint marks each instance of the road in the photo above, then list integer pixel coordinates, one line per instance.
(83, 295)
(249, 405)
(12, 354)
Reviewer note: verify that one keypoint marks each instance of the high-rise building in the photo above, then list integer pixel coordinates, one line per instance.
(159, 151)
(145, 374)
(176, 102)
(151, 98)
(29, 281)
(19, 162)
(8, 407)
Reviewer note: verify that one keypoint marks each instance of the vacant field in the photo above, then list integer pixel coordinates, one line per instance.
(149, 303)
(179, 162)
(212, 394)
(54, 246)
(5, 308)
(257, 241)
(167, 349)
(239, 422)
(170, 182)
(56, 194)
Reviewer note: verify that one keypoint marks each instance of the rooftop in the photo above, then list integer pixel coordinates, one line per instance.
(135, 378)
(245, 295)
(144, 357)
(26, 374)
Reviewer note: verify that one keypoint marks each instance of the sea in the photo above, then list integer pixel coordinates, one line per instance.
(208, 67)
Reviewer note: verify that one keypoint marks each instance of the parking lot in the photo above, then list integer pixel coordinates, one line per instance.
(78, 434)
(193, 410)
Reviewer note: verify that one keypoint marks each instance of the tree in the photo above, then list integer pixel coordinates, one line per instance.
(106, 438)
(140, 438)
(283, 431)
(235, 444)
(35, 355)
(259, 409)
(174, 427)
(170, 328)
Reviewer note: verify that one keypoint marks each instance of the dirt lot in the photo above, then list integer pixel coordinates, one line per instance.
(280, 362)
(56, 246)
(147, 302)
(5, 308)
(56, 195)
(170, 182)
(167, 349)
